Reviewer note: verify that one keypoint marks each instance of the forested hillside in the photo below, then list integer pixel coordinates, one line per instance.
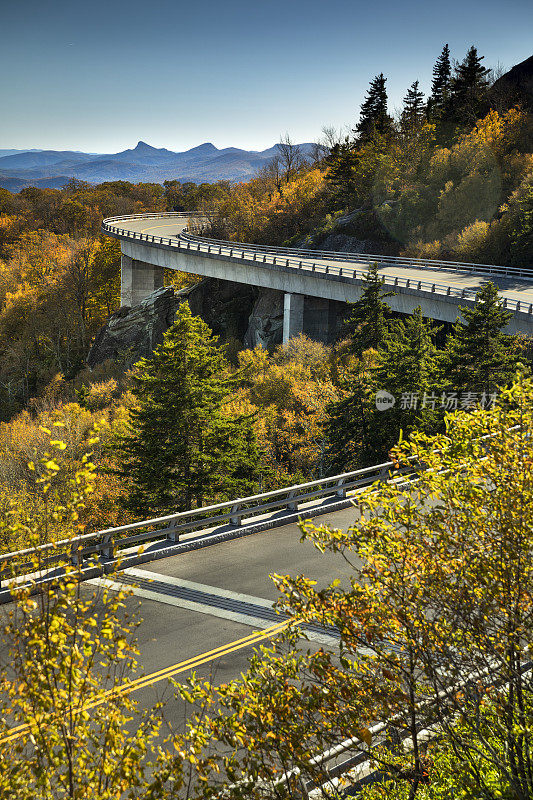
(450, 175)
(434, 622)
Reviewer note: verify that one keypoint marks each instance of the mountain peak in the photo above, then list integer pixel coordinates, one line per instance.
(206, 147)
(144, 146)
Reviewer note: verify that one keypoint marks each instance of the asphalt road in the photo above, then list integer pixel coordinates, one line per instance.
(190, 605)
(172, 631)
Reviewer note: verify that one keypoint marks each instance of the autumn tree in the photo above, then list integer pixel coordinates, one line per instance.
(434, 631)
(290, 156)
(69, 658)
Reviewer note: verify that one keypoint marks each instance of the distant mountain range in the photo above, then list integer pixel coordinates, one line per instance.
(205, 163)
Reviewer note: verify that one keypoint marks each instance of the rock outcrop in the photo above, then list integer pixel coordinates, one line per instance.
(514, 87)
(233, 311)
(135, 331)
(265, 323)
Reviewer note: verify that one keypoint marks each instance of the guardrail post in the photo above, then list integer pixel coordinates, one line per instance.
(341, 489)
(433, 289)
(264, 259)
(384, 474)
(235, 516)
(172, 534)
(292, 504)
(75, 554)
(518, 305)
(274, 260)
(396, 281)
(448, 290)
(419, 285)
(231, 252)
(287, 264)
(107, 549)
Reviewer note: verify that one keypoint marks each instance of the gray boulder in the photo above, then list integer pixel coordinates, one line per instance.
(135, 331)
(265, 324)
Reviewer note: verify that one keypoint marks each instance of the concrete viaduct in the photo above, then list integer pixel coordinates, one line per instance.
(312, 281)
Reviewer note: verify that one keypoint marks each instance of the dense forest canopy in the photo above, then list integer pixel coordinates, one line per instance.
(448, 176)
(445, 593)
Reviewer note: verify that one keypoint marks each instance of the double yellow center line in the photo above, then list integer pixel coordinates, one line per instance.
(162, 674)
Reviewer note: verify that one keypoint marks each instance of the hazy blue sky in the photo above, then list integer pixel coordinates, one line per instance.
(100, 75)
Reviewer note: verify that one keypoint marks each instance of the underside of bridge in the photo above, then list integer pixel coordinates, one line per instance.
(317, 317)
(312, 299)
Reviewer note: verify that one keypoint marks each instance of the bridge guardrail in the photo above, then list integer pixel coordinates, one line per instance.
(111, 543)
(418, 263)
(250, 253)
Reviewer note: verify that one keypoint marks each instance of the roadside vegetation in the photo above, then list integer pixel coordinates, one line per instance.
(436, 626)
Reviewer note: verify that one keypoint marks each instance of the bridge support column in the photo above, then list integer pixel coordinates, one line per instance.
(293, 315)
(320, 319)
(138, 280)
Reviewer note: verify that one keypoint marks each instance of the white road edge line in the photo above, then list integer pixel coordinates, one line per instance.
(244, 619)
(202, 587)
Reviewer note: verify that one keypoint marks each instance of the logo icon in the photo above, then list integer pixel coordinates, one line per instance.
(384, 400)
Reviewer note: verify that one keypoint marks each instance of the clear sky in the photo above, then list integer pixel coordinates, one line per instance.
(100, 75)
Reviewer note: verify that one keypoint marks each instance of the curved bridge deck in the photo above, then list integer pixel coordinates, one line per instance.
(150, 243)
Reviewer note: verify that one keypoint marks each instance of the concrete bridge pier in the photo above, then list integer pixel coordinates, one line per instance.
(137, 280)
(293, 315)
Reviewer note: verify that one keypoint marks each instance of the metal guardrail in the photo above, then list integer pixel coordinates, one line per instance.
(111, 543)
(264, 255)
(417, 263)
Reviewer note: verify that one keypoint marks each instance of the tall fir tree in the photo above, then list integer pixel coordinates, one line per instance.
(181, 449)
(440, 86)
(479, 357)
(409, 369)
(468, 88)
(413, 111)
(374, 118)
(367, 322)
(349, 439)
(358, 433)
(341, 164)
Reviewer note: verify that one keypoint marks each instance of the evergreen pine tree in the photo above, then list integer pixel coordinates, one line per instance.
(478, 356)
(468, 87)
(367, 324)
(374, 118)
(440, 86)
(413, 111)
(341, 163)
(357, 432)
(349, 438)
(181, 449)
(409, 369)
